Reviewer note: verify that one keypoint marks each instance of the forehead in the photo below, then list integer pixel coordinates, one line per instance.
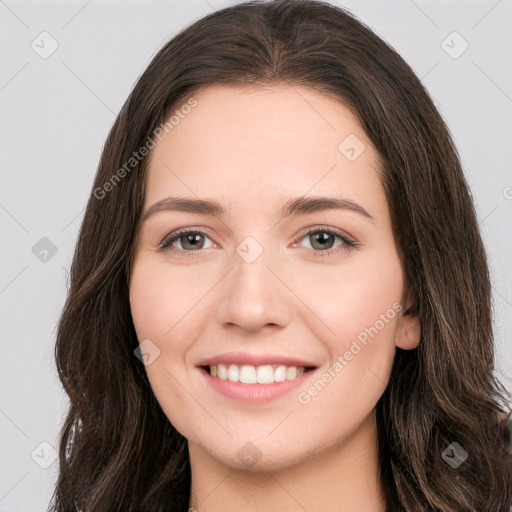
(248, 145)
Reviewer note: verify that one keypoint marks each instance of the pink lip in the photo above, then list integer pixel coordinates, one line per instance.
(254, 393)
(240, 358)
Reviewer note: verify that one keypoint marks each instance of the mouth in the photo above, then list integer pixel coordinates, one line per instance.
(250, 374)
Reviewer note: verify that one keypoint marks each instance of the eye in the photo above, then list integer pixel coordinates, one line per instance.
(190, 240)
(321, 239)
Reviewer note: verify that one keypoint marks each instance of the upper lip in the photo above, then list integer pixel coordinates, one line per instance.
(241, 358)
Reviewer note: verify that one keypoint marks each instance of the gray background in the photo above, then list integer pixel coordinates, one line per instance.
(55, 113)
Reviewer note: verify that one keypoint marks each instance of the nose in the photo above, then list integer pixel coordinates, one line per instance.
(254, 295)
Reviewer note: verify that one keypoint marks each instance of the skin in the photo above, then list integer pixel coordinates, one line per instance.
(252, 150)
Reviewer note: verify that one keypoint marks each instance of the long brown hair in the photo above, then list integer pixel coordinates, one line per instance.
(118, 451)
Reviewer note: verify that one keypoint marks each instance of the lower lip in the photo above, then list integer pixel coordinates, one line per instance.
(254, 393)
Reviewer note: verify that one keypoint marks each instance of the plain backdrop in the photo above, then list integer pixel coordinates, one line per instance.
(67, 68)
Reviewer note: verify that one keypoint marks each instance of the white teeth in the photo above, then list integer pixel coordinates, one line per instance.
(233, 373)
(265, 374)
(280, 373)
(248, 374)
(291, 373)
(222, 372)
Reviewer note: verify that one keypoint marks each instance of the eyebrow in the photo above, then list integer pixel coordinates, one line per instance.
(292, 207)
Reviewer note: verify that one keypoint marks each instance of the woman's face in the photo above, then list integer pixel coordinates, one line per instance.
(282, 279)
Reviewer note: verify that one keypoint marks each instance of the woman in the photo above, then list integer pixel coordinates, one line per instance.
(216, 354)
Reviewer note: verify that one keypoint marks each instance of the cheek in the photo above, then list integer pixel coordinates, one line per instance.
(170, 305)
(160, 297)
(159, 301)
(146, 300)
(346, 299)
(159, 313)
(356, 310)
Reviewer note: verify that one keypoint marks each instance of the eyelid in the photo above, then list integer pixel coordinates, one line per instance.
(327, 229)
(348, 241)
(171, 237)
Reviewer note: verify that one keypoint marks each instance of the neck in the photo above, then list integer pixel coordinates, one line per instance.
(343, 478)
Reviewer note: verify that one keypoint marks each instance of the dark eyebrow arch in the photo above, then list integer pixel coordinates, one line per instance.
(292, 207)
(184, 204)
(304, 205)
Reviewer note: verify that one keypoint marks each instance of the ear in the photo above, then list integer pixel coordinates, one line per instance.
(408, 331)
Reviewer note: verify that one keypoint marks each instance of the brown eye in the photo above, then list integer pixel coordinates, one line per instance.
(323, 240)
(188, 240)
(192, 241)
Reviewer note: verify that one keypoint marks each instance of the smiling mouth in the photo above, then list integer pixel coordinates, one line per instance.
(263, 374)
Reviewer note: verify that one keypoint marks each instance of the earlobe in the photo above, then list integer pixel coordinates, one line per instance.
(409, 331)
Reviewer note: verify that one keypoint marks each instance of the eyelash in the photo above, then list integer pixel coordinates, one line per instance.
(166, 243)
